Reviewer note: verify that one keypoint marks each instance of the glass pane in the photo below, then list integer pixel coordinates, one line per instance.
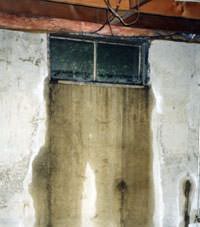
(118, 64)
(71, 60)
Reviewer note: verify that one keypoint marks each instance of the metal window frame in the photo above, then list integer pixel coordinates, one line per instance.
(143, 67)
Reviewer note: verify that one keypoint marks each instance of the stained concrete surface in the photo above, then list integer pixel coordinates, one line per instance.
(99, 170)
(39, 187)
(100, 162)
(28, 195)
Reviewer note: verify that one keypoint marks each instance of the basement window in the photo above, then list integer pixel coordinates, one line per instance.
(98, 61)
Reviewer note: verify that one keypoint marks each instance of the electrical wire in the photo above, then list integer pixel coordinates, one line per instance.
(101, 27)
(115, 14)
(109, 19)
(120, 18)
(109, 24)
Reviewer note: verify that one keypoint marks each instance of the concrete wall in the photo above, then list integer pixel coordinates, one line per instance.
(175, 79)
(23, 70)
(25, 198)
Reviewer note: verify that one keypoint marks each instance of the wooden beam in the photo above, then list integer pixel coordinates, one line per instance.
(156, 22)
(58, 25)
(39, 8)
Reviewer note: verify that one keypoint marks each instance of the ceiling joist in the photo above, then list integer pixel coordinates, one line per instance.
(124, 5)
(56, 13)
(58, 25)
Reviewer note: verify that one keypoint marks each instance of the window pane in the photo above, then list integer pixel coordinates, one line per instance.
(118, 64)
(71, 60)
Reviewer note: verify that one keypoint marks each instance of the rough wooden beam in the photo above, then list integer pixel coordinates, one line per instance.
(39, 8)
(156, 22)
(147, 25)
(56, 25)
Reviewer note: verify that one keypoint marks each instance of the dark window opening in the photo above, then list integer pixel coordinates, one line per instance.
(97, 61)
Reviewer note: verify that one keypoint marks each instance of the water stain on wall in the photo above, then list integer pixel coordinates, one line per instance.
(99, 159)
(40, 188)
(187, 188)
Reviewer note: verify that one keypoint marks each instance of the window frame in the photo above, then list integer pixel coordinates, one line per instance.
(142, 43)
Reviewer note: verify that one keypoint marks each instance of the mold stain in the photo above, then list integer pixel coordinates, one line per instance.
(40, 185)
(186, 195)
(39, 188)
(187, 191)
(122, 187)
(95, 169)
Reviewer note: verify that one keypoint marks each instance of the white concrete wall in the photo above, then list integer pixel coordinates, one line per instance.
(175, 79)
(23, 70)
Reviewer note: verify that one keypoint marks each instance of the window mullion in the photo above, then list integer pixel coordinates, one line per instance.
(95, 62)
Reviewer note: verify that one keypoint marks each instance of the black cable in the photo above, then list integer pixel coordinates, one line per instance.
(104, 24)
(108, 20)
(120, 18)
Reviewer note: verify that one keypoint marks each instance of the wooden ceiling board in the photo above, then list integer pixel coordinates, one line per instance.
(123, 5)
(135, 3)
